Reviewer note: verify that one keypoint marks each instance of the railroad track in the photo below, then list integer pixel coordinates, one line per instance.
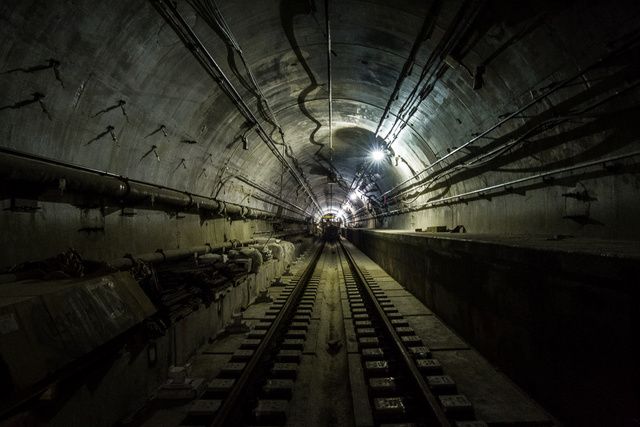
(257, 383)
(393, 378)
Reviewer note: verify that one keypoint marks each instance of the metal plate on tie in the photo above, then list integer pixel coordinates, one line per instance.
(399, 322)
(376, 367)
(405, 330)
(383, 385)
(365, 332)
(372, 353)
(429, 366)
(386, 406)
(456, 405)
(441, 384)
(411, 340)
(362, 324)
(420, 352)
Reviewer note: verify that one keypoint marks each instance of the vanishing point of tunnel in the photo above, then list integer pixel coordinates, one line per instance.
(319, 213)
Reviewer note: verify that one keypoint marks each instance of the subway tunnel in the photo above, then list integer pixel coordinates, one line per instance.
(426, 210)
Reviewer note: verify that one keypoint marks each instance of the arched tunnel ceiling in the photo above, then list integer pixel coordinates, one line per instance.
(125, 51)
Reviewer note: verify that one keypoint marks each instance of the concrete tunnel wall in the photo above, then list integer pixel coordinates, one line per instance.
(125, 51)
(562, 323)
(56, 227)
(124, 377)
(125, 83)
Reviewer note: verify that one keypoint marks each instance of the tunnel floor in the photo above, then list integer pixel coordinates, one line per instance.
(330, 386)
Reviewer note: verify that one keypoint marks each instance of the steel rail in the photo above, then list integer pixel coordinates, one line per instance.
(238, 395)
(437, 414)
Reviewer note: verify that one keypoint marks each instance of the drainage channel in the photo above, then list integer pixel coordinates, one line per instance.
(394, 378)
(255, 386)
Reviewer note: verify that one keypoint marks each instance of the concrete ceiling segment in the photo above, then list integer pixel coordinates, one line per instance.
(111, 51)
(291, 66)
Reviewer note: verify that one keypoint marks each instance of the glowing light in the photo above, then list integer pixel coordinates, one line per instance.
(377, 155)
(353, 196)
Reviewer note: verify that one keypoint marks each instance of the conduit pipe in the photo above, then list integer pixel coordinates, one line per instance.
(158, 256)
(127, 262)
(45, 175)
(170, 13)
(504, 186)
(515, 114)
(270, 193)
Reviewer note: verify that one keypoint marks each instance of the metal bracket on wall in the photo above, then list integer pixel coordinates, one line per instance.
(109, 130)
(162, 129)
(120, 104)
(51, 63)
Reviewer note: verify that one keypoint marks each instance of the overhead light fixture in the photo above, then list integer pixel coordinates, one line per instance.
(353, 196)
(377, 155)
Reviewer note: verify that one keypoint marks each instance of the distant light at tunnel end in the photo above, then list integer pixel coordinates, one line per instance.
(377, 155)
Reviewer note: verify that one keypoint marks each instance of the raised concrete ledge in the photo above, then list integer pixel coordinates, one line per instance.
(620, 249)
(616, 261)
(559, 317)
